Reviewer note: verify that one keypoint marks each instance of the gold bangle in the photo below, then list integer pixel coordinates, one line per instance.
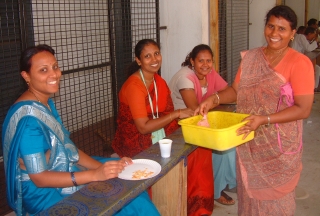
(216, 94)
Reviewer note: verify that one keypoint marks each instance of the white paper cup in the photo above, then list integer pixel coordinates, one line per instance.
(165, 147)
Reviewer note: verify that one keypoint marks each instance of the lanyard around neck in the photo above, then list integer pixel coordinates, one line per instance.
(156, 92)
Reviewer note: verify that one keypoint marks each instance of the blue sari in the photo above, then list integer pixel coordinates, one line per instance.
(29, 131)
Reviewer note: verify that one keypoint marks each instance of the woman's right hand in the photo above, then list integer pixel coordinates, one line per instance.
(185, 113)
(205, 106)
(111, 169)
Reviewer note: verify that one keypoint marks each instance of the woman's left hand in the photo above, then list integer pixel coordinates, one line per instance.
(185, 113)
(254, 121)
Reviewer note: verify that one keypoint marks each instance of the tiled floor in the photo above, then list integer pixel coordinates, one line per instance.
(310, 177)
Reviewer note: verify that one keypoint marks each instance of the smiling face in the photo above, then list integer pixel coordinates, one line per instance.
(44, 75)
(150, 59)
(202, 63)
(278, 33)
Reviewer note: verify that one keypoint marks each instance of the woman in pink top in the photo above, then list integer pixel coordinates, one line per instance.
(192, 84)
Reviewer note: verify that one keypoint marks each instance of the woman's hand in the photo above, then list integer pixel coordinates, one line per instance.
(185, 113)
(126, 160)
(111, 169)
(205, 106)
(254, 121)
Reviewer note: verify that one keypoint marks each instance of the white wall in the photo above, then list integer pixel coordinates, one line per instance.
(257, 13)
(314, 9)
(299, 7)
(187, 25)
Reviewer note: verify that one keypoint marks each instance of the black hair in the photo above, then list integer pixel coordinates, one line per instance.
(27, 54)
(133, 67)
(195, 51)
(311, 22)
(301, 29)
(285, 12)
(309, 30)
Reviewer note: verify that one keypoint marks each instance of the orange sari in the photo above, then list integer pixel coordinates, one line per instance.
(200, 182)
(134, 103)
(128, 141)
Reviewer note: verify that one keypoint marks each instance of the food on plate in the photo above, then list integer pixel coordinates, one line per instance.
(139, 174)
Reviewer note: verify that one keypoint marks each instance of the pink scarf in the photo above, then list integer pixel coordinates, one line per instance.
(197, 87)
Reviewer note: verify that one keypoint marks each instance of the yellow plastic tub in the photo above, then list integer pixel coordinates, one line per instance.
(220, 136)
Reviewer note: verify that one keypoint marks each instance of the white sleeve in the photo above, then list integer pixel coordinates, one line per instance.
(183, 82)
(309, 47)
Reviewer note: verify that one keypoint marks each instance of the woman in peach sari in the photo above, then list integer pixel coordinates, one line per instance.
(274, 85)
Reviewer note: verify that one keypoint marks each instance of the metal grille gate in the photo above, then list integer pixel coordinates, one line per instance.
(94, 42)
(233, 35)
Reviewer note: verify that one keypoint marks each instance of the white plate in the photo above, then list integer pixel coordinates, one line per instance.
(149, 167)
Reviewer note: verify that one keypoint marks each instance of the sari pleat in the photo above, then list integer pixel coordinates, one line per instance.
(200, 182)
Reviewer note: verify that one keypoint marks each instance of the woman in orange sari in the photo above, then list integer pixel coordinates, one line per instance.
(137, 120)
(146, 112)
(274, 85)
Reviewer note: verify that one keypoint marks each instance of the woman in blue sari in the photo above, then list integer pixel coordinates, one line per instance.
(42, 164)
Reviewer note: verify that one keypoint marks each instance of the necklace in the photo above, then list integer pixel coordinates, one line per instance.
(38, 99)
(156, 93)
(279, 52)
(197, 73)
(149, 80)
(202, 78)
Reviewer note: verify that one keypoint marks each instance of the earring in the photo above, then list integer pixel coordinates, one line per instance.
(27, 82)
(192, 67)
(292, 39)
